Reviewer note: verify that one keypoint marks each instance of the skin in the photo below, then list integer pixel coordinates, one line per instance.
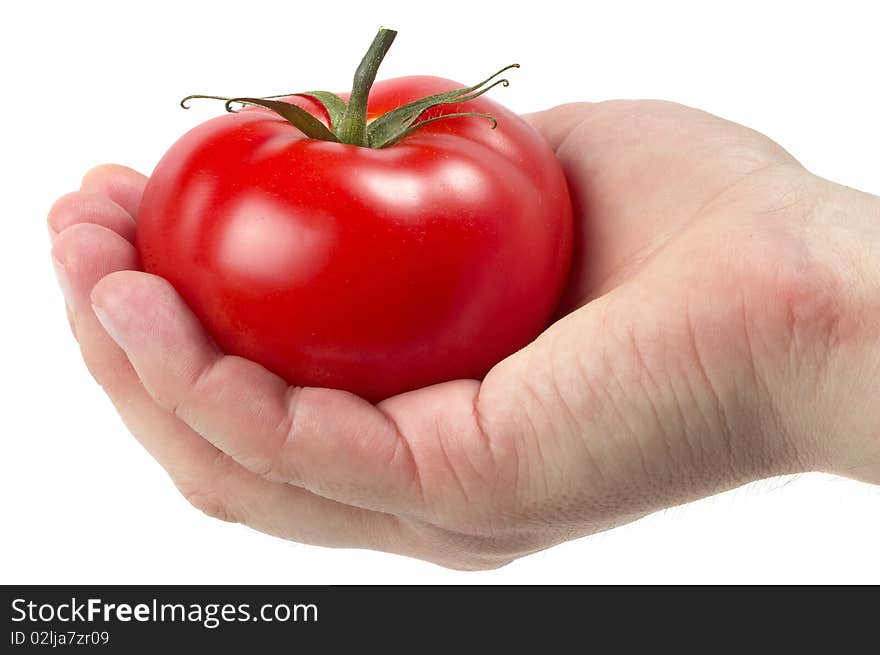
(719, 326)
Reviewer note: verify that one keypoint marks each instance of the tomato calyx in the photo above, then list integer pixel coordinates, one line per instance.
(348, 121)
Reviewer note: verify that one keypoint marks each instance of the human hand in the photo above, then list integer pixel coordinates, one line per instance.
(719, 327)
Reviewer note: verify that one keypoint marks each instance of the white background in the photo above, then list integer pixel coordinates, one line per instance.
(90, 82)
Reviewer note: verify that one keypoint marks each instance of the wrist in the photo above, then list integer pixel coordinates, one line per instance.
(834, 411)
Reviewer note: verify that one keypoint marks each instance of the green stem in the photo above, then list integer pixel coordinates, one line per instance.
(352, 127)
(348, 122)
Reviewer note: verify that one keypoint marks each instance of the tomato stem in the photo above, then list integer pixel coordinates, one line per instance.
(352, 128)
(348, 121)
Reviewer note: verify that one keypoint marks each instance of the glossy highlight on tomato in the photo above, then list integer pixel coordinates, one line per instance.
(373, 270)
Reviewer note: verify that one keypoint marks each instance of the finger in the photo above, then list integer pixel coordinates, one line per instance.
(89, 207)
(212, 482)
(330, 442)
(121, 184)
(84, 253)
(223, 489)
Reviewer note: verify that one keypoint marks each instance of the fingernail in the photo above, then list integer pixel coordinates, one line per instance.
(63, 281)
(106, 321)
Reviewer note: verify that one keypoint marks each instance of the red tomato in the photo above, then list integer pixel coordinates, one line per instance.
(376, 271)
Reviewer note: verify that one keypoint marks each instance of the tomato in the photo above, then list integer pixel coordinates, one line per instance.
(373, 270)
